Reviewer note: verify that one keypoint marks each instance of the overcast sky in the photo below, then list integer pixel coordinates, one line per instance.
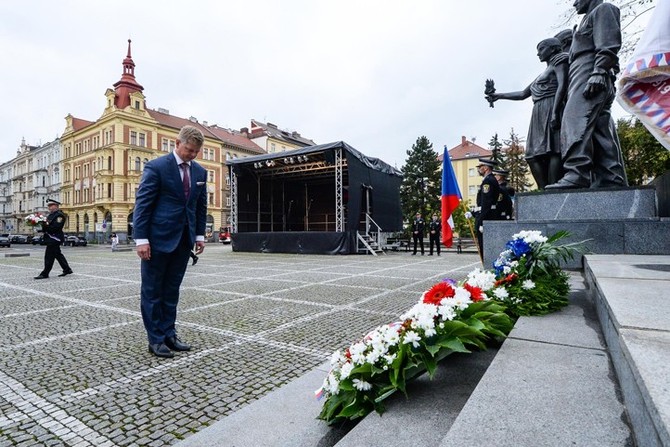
(375, 74)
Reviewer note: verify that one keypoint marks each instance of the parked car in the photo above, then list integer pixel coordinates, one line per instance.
(75, 241)
(224, 237)
(4, 240)
(19, 239)
(38, 240)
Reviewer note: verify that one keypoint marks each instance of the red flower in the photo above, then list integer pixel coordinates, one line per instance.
(476, 293)
(438, 292)
(509, 278)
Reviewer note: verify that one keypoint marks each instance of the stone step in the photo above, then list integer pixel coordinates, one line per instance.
(429, 409)
(623, 236)
(587, 204)
(549, 385)
(630, 293)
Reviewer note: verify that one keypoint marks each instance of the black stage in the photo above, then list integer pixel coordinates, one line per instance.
(289, 202)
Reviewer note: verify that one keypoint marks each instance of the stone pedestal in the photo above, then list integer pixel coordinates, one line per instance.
(614, 221)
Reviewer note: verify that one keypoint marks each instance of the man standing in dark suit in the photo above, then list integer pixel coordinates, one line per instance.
(417, 232)
(505, 203)
(169, 217)
(435, 229)
(487, 200)
(53, 238)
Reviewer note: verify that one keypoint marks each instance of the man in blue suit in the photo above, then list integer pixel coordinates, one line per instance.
(169, 217)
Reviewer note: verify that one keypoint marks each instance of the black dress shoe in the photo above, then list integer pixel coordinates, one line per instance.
(41, 276)
(69, 272)
(160, 350)
(195, 260)
(176, 345)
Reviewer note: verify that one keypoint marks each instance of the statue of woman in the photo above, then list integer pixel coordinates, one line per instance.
(543, 150)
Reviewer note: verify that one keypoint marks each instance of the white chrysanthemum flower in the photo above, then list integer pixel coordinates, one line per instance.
(390, 358)
(528, 284)
(461, 294)
(346, 370)
(331, 384)
(530, 236)
(483, 279)
(413, 338)
(337, 358)
(447, 313)
(507, 270)
(357, 352)
(362, 385)
(500, 293)
(430, 332)
(391, 337)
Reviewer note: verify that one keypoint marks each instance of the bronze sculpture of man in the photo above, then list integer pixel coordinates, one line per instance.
(590, 147)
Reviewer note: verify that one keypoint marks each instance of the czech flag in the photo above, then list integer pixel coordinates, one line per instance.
(451, 198)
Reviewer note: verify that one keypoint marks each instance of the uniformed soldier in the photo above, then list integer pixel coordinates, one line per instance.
(505, 203)
(487, 199)
(435, 229)
(417, 232)
(53, 238)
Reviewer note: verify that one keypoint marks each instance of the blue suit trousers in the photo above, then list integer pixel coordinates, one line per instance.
(161, 278)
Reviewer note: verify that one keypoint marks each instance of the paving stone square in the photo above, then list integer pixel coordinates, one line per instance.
(75, 371)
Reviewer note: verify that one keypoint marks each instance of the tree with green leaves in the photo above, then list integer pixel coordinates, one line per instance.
(421, 186)
(515, 163)
(461, 225)
(496, 147)
(644, 157)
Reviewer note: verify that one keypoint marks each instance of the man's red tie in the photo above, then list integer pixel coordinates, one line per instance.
(186, 180)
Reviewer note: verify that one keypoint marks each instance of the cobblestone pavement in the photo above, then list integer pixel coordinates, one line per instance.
(74, 366)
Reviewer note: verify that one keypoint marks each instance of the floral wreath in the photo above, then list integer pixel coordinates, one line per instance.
(450, 317)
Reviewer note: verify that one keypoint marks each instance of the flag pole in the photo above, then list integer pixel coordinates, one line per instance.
(472, 233)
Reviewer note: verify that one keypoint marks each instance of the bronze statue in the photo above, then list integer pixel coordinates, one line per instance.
(565, 37)
(489, 89)
(589, 143)
(543, 152)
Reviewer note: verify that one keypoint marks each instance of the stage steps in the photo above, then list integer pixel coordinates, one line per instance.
(367, 244)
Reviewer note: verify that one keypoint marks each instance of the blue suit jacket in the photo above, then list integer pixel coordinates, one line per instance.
(161, 210)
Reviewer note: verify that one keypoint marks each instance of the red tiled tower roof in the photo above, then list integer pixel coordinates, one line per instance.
(127, 84)
(467, 149)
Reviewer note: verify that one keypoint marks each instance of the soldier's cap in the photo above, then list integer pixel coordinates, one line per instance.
(500, 172)
(54, 201)
(487, 162)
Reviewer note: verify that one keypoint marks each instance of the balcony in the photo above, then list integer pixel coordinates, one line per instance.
(40, 189)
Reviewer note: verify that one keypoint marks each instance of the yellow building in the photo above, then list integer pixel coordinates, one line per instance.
(464, 159)
(102, 160)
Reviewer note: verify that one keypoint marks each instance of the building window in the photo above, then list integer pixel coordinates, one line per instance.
(228, 201)
(137, 105)
(211, 198)
(165, 145)
(172, 145)
(133, 138)
(472, 190)
(272, 148)
(137, 163)
(109, 162)
(109, 190)
(227, 180)
(472, 172)
(210, 176)
(144, 163)
(143, 138)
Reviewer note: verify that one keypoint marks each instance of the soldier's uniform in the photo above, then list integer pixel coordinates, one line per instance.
(435, 229)
(505, 205)
(53, 238)
(417, 232)
(487, 202)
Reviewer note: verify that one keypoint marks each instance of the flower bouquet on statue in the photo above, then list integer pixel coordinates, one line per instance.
(448, 318)
(528, 276)
(35, 219)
